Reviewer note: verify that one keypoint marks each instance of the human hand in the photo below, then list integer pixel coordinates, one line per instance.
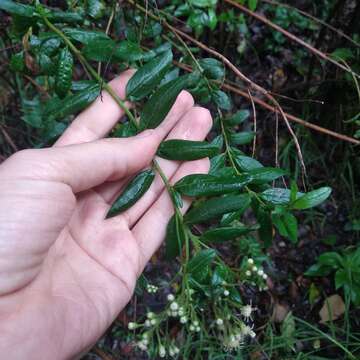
(66, 271)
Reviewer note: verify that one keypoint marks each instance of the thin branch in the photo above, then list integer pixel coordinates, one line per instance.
(291, 36)
(255, 125)
(266, 106)
(8, 139)
(315, 19)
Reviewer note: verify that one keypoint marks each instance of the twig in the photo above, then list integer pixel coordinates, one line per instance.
(315, 19)
(236, 71)
(290, 117)
(38, 86)
(102, 354)
(255, 127)
(291, 36)
(8, 139)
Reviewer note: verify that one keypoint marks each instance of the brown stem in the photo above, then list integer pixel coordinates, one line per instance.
(291, 36)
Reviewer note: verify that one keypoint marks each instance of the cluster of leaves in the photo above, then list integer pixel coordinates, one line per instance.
(347, 271)
(236, 200)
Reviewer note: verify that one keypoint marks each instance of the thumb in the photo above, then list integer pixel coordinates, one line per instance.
(83, 166)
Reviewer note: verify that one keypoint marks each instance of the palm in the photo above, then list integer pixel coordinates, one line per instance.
(72, 270)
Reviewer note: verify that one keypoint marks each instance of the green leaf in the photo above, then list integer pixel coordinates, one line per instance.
(95, 8)
(222, 234)
(252, 4)
(50, 46)
(242, 138)
(106, 50)
(148, 77)
(203, 3)
(265, 175)
(136, 188)
(209, 185)
(175, 237)
(238, 118)
(200, 262)
(213, 69)
(286, 223)
(16, 8)
(341, 278)
(216, 207)
(318, 270)
(186, 150)
(85, 36)
(331, 258)
(64, 73)
(216, 163)
(246, 163)
(221, 99)
(160, 103)
(72, 103)
(17, 62)
(263, 217)
(68, 17)
(82, 84)
(276, 196)
(312, 198)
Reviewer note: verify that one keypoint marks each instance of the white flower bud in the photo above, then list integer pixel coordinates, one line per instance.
(150, 315)
(252, 334)
(260, 272)
(250, 261)
(171, 352)
(142, 346)
(248, 273)
(183, 319)
(170, 297)
(174, 306)
(174, 313)
(254, 269)
(176, 350)
(162, 351)
(132, 325)
(153, 321)
(226, 293)
(196, 323)
(192, 328)
(148, 323)
(265, 276)
(219, 322)
(197, 329)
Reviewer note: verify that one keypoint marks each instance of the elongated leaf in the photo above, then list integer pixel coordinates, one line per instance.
(221, 99)
(263, 217)
(246, 163)
(186, 150)
(226, 233)
(276, 196)
(175, 238)
(209, 185)
(67, 17)
(148, 77)
(160, 103)
(238, 118)
(312, 198)
(216, 207)
(105, 50)
(200, 262)
(72, 103)
(95, 8)
(136, 188)
(213, 69)
(264, 175)
(242, 138)
(85, 36)
(16, 8)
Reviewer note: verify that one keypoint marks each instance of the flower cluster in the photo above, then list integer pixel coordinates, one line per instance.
(151, 289)
(254, 270)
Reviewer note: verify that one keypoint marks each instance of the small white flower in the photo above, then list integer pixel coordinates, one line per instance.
(162, 351)
(168, 312)
(265, 276)
(148, 323)
(174, 306)
(132, 325)
(260, 272)
(252, 334)
(196, 323)
(246, 311)
(176, 350)
(170, 297)
(192, 328)
(254, 269)
(142, 346)
(145, 335)
(145, 341)
(181, 311)
(226, 293)
(197, 329)
(183, 319)
(250, 261)
(153, 321)
(171, 352)
(150, 315)
(245, 330)
(174, 313)
(219, 322)
(248, 273)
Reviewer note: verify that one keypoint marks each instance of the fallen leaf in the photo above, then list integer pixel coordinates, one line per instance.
(332, 309)
(279, 313)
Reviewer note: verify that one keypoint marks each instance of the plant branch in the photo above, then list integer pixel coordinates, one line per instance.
(291, 36)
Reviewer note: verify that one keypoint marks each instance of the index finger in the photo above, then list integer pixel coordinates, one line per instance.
(100, 117)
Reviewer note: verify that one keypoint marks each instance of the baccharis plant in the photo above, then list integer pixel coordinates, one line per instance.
(237, 203)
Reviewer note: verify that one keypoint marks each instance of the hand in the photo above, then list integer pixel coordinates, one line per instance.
(66, 271)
